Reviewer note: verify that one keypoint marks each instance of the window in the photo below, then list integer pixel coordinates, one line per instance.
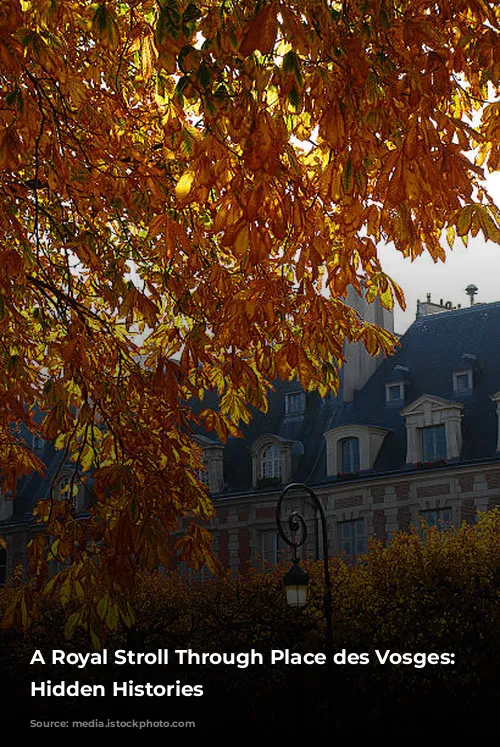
(434, 443)
(3, 565)
(394, 393)
(433, 429)
(350, 454)
(271, 545)
(211, 473)
(352, 448)
(462, 381)
(395, 386)
(438, 517)
(63, 487)
(194, 577)
(61, 492)
(295, 403)
(352, 537)
(202, 475)
(271, 461)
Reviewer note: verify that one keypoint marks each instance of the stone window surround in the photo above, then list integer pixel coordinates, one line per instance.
(260, 445)
(73, 481)
(434, 504)
(370, 440)
(291, 398)
(462, 372)
(389, 385)
(338, 517)
(213, 456)
(429, 410)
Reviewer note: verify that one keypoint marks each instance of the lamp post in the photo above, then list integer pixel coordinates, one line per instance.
(296, 579)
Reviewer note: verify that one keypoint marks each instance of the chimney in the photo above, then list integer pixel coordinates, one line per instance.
(471, 291)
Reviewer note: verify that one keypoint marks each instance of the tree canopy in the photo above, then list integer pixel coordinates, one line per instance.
(187, 190)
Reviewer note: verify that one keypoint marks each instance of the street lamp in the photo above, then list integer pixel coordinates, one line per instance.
(296, 579)
(295, 582)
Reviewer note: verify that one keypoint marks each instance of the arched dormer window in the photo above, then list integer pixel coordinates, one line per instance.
(352, 448)
(272, 459)
(65, 485)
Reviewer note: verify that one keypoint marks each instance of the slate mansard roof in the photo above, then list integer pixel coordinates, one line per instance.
(433, 348)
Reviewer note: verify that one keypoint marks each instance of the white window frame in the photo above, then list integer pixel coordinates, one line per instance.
(270, 461)
(295, 403)
(348, 444)
(67, 481)
(434, 457)
(258, 451)
(456, 378)
(392, 385)
(276, 549)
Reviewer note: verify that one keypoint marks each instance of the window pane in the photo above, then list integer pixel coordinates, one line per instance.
(440, 518)
(271, 461)
(434, 443)
(462, 382)
(346, 530)
(360, 546)
(350, 455)
(294, 403)
(271, 546)
(394, 392)
(445, 515)
(353, 537)
(360, 528)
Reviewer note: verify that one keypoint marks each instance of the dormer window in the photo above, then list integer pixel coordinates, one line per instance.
(349, 454)
(271, 461)
(62, 488)
(295, 403)
(68, 486)
(394, 392)
(352, 448)
(395, 385)
(462, 381)
(433, 429)
(463, 375)
(434, 443)
(211, 473)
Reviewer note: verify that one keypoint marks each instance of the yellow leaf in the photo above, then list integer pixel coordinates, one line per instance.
(184, 185)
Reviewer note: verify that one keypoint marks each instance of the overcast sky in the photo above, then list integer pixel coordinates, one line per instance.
(478, 264)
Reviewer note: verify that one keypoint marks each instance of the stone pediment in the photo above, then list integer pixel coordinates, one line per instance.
(431, 403)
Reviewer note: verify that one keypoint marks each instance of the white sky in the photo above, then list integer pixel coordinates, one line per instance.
(478, 264)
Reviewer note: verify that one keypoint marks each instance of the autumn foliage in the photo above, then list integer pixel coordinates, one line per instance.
(187, 190)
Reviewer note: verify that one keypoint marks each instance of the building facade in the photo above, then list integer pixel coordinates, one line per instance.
(411, 437)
